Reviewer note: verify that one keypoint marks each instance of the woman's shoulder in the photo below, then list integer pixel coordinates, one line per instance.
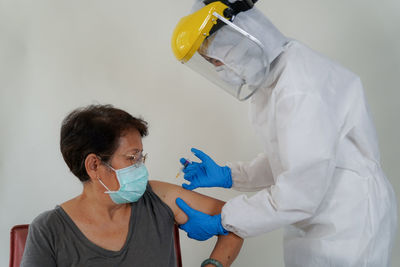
(47, 219)
(168, 193)
(165, 193)
(156, 184)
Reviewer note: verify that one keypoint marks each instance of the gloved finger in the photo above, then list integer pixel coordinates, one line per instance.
(189, 177)
(200, 154)
(190, 186)
(190, 168)
(183, 227)
(191, 236)
(185, 170)
(185, 207)
(197, 237)
(191, 171)
(194, 167)
(183, 161)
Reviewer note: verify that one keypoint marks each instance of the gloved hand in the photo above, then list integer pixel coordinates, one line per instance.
(200, 226)
(205, 174)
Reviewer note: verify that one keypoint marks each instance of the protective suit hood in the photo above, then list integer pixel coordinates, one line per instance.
(255, 23)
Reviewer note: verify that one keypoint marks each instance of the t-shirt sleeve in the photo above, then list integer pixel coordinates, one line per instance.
(39, 245)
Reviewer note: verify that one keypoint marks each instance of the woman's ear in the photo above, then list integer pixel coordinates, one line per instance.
(92, 163)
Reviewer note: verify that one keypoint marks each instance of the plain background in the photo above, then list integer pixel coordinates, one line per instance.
(59, 55)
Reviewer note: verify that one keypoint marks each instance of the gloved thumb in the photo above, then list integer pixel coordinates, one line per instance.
(189, 186)
(185, 207)
(200, 154)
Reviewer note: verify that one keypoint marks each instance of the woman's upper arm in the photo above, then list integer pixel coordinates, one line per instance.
(169, 192)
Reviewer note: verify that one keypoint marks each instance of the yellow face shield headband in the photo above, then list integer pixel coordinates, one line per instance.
(193, 29)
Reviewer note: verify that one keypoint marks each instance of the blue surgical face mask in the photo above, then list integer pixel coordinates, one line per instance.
(132, 181)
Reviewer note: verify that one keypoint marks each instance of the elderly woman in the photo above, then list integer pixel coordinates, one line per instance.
(120, 219)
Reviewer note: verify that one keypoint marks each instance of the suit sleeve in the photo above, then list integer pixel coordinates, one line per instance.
(307, 137)
(252, 176)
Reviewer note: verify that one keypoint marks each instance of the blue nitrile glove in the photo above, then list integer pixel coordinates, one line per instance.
(205, 174)
(200, 226)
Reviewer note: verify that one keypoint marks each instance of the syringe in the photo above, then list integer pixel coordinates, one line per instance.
(187, 162)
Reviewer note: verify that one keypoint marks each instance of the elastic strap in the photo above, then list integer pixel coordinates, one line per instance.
(234, 8)
(241, 6)
(107, 192)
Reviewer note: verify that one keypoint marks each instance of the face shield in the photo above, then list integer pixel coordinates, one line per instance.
(210, 44)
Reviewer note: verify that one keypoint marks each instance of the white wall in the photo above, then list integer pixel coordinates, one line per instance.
(58, 55)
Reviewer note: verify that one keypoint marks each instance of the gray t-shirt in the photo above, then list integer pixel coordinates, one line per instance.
(55, 240)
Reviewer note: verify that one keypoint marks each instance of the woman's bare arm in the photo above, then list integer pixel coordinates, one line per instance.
(227, 247)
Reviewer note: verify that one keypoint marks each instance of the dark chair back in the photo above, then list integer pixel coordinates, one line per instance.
(17, 243)
(177, 246)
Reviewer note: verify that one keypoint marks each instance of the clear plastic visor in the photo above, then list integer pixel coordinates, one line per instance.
(232, 59)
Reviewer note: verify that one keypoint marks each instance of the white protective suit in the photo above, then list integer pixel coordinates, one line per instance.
(320, 175)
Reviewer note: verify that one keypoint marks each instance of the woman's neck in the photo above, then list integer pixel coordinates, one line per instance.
(93, 203)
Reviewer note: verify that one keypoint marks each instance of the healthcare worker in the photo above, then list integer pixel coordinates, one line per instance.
(319, 175)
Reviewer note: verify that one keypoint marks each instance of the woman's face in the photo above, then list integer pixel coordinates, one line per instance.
(129, 150)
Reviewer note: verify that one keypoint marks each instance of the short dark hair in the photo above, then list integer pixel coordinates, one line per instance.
(94, 129)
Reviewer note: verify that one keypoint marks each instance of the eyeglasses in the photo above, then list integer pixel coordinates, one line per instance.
(136, 158)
